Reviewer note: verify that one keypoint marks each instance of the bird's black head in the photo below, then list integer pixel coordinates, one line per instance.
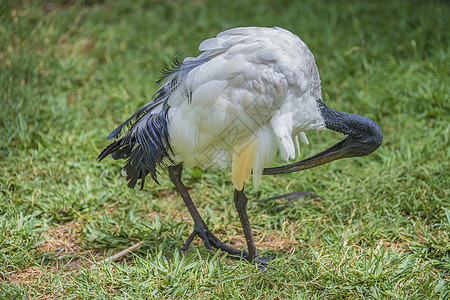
(364, 134)
(363, 137)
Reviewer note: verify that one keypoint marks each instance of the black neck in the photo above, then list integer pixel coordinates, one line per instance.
(346, 123)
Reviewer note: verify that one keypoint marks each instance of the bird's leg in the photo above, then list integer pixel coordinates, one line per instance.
(240, 202)
(200, 228)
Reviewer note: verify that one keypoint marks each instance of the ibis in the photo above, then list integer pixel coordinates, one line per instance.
(253, 92)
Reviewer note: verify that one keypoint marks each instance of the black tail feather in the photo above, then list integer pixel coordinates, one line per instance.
(134, 168)
(145, 146)
(114, 149)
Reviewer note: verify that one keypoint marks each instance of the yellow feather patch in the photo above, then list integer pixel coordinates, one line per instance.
(243, 157)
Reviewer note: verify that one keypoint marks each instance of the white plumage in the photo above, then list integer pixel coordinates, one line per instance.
(254, 95)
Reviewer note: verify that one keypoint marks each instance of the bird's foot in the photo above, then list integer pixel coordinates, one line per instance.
(263, 262)
(210, 241)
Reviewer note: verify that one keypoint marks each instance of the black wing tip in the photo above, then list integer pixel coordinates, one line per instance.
(107, 151)
(114, 134)
(146, 149)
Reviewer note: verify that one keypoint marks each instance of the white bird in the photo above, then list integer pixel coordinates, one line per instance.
(251, 92)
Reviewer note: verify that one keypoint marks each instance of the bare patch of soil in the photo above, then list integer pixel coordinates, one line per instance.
(63, 244)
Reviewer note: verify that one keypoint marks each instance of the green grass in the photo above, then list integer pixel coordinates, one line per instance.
(69, 73)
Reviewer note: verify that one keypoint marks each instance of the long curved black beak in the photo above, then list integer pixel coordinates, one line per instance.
(337, 151)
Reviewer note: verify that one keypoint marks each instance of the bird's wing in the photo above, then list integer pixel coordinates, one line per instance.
(146, 144)
(241, 86)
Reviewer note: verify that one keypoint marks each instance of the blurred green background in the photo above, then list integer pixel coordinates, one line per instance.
(70, 71)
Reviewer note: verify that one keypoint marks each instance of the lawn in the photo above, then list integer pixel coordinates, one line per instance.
(70, 71)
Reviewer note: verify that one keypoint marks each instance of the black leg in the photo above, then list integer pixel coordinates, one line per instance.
(240, 202)
(200, 228)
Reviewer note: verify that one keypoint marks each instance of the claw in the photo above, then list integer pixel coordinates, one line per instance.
(210, 241)
(189, 241)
